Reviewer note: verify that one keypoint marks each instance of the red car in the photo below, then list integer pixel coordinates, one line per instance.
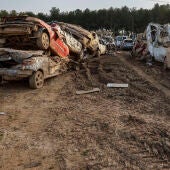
(24, 32)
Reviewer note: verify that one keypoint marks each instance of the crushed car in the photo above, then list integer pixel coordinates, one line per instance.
(22, 38)
(154, 44)
(24, 32)
(88, 40)
(32, 65)
(110, 43)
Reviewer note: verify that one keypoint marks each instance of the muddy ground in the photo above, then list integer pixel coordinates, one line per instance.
(53, 128)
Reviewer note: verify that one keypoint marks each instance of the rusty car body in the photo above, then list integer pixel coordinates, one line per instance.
(23, 32)
(89, 40)
(33, 49)
(154, 44)
(33, 65)
(62, 39)
(158, 42)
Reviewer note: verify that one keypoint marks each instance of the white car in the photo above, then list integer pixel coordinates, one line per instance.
(158, 42)
(119, 40)
(127, 44)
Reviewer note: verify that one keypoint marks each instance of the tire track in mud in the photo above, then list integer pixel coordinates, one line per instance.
(158, 138)
(113, 129)
(150, 79)
(151, 142)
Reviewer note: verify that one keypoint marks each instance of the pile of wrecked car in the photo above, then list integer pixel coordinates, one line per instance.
(33, 49)
(154, 44)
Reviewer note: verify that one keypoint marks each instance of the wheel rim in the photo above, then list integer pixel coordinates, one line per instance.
(45, 40)
(39, 79)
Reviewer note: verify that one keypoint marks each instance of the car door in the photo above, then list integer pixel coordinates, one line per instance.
(159, 53)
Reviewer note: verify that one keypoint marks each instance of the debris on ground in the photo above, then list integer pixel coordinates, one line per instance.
(115, 85)
(2, 113)
(88, 91)
(32, 165)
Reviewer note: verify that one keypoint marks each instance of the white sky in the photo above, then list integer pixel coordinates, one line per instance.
(68, 5)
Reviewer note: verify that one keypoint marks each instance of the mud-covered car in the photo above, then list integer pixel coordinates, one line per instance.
(32, 65)
(89, 40)
(158, 42)
(23, 32)
(154, 44)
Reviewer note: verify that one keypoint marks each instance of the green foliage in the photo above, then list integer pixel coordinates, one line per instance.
(112, 18)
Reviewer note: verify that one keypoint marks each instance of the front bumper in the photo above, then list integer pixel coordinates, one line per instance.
(13, 74)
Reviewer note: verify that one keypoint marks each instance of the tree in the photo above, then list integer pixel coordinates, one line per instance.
(113, 18)
(54, 13)
(3, 13)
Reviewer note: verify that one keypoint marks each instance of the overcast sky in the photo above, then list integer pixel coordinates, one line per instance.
(67, 5)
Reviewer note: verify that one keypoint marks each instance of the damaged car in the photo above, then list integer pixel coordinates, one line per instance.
(35, 50)
(57, 38)
(25, 33)
(154, 44)
(158, 42)
(32, 65)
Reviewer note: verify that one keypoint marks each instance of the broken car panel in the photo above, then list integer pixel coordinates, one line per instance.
(154, 43)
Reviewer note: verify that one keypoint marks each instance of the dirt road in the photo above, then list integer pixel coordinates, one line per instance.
(52, 128)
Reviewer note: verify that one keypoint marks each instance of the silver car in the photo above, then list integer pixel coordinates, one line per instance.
(33, 65)
(127, 44)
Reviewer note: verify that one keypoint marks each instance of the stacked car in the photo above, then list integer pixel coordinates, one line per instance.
(31, 48)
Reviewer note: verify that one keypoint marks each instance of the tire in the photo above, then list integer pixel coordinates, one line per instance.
(43, 41)
(36, 81)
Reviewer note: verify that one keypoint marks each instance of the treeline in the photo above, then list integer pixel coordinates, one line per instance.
(113, 18)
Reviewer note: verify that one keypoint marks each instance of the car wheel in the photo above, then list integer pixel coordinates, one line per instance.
(43, 41)
(165, 63)
(36, 81)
